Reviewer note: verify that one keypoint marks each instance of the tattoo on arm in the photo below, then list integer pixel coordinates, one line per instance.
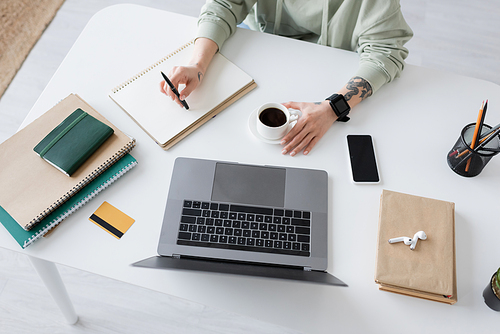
(200, 75)
(317, 102)
(358, 86)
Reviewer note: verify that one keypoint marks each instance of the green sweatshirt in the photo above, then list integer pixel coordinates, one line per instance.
(375, 29)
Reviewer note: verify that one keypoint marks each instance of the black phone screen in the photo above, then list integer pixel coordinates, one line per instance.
(362, 157)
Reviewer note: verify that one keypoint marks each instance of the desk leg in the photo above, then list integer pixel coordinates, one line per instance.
(50, 276)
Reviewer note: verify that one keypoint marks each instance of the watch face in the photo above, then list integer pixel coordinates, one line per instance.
(341, 105)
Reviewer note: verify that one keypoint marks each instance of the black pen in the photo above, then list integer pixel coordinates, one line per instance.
(174, 90)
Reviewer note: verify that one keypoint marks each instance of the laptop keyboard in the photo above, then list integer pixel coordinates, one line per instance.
(247, 228)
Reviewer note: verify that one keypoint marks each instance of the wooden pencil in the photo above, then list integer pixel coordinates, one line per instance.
(477, 129)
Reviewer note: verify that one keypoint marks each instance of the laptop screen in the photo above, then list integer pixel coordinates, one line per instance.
(253, 185)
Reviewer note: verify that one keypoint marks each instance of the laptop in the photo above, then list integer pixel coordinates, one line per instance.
(247, 219)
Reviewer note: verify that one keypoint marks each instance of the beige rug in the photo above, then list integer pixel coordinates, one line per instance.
(22, 22)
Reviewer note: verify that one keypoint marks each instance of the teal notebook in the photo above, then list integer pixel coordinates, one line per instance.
(25, 238)
(73, 141)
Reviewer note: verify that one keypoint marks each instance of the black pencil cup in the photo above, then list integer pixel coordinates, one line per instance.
(491, 293)
(463, 160)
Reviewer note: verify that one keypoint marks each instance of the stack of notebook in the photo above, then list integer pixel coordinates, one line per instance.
(429, 270)
(35, 195)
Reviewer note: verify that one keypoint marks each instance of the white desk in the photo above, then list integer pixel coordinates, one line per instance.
(414, 122)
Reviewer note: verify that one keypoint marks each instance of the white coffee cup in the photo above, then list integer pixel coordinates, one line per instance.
(273, 120)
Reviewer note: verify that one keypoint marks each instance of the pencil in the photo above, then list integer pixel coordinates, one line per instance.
(483, 138)
(485, 142)
(481, 123)
(480, 118)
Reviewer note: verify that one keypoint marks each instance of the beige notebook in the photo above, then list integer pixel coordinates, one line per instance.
(163, 119)
(429, 270)
(31, 187)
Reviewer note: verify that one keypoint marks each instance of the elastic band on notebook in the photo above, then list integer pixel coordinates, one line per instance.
(60, 135)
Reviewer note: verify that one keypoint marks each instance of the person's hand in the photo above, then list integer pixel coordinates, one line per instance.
(190, 75)
(316, 119)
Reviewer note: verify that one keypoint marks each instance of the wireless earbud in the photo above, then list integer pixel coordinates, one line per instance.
(406, 240)
(418, 235)
(412, 242)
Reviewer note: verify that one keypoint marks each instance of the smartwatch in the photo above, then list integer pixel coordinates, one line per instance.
(340, 107)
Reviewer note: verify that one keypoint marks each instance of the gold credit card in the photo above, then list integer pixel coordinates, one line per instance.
(111, 220)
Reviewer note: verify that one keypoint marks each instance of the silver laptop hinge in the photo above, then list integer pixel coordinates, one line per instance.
(176, 256)
(307, 269)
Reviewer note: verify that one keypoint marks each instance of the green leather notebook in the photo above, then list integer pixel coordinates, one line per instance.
(70, 143)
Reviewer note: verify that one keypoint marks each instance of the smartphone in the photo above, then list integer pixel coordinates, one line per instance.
(362, 157)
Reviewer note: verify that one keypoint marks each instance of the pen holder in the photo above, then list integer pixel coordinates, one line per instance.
(467, 162)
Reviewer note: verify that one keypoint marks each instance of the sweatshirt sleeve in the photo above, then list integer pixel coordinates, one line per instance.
(219, 18)
(381, 48)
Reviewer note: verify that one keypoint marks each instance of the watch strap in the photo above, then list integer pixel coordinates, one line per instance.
(341, 115)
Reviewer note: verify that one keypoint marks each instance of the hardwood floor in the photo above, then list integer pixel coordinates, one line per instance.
(107, 306)
(455, 36)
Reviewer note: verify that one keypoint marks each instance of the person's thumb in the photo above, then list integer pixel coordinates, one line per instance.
(187, 91)
(292, 105)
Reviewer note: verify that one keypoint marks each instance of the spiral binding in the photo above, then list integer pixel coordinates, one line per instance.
(98, 171)
(146, 70)
(77, 206)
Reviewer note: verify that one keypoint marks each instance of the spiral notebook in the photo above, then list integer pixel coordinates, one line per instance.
(32, 188)
(110, 175)
(160, 117)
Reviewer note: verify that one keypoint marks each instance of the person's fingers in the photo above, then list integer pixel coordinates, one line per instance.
(188, 89)
(293, 105)
(174, 73)
(309, 129)
(303, 143)
(298, 125)
(162, 87)
(185, 75)
(297, 128)
(176, 77)
(312, 143)
(165, 88)
(296, 137)
(168, 91)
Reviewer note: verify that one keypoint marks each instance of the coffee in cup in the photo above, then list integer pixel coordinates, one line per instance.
(273, 120)
(272, 117)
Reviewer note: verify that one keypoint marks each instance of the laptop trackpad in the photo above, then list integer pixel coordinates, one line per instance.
(253, 185)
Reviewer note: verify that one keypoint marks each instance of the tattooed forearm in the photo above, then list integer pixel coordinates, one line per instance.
(358, 86)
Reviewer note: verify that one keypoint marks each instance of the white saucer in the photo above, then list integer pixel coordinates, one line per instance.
(252, 125)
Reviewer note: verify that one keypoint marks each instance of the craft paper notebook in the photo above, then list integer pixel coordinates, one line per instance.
(32, 188)
(110, 175)
(165, 121)
(428, 271)
(70, 143)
